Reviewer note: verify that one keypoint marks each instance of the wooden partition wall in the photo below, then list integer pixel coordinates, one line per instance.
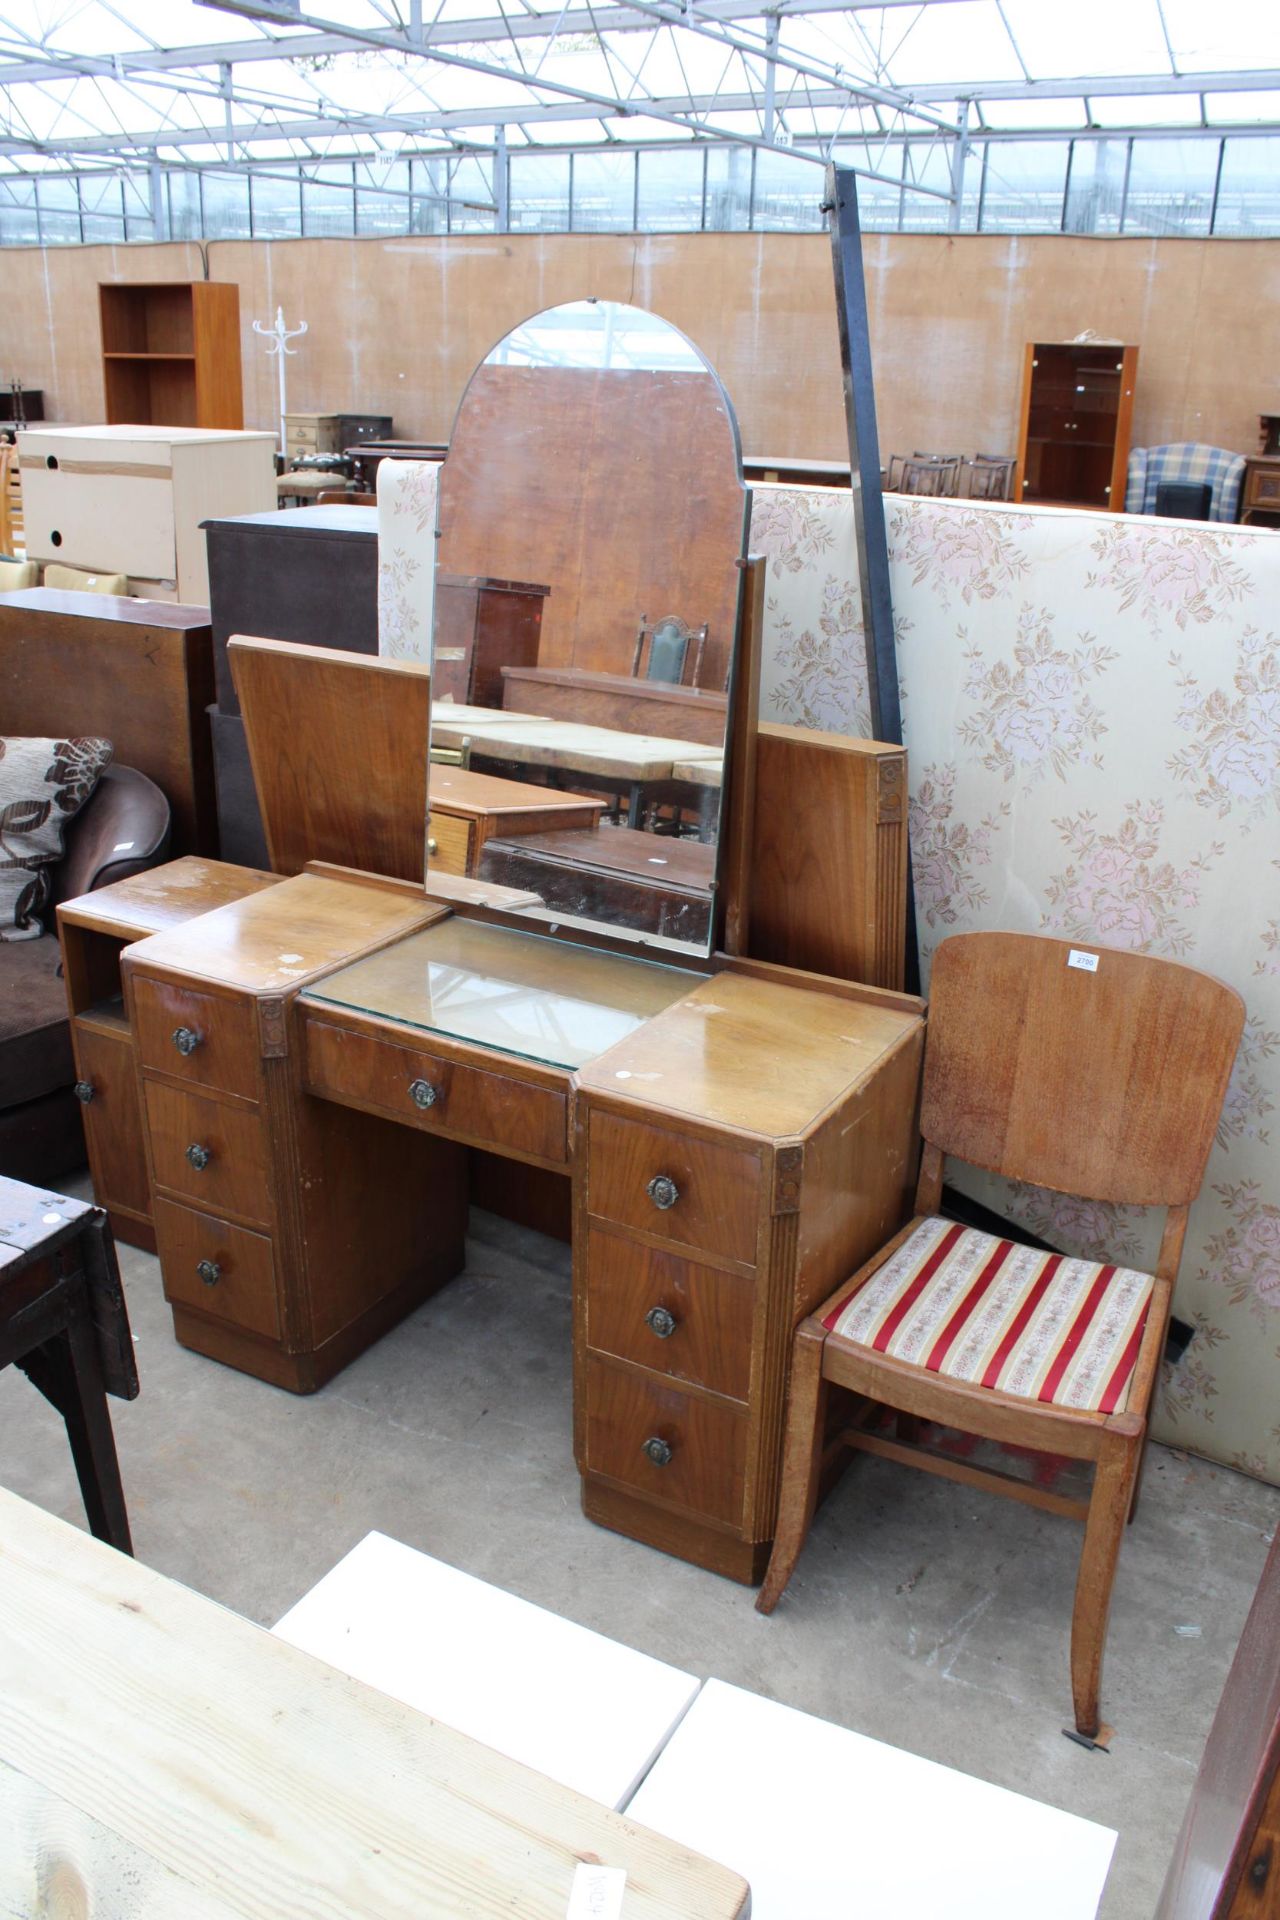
(397, 325)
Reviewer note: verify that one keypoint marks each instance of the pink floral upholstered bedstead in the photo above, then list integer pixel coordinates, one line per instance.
(1092, 712)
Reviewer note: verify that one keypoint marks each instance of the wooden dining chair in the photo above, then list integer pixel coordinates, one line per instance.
(8, 533)
(1085, 1070)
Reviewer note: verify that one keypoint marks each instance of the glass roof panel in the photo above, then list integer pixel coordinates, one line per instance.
(1145, 110)
(557, 72)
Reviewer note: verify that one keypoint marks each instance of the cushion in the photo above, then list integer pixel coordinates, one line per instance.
(35, 1033)
(43, 784)
(1001, 1315)
(77, 580)
(17, 575)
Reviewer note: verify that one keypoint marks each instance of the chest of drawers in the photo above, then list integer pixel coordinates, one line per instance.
(739, 1152)
(132, 499)
(95, 931)
(273, 1258)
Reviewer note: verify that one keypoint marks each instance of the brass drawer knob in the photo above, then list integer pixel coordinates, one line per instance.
(186, 1039)
(658, 1451)
(199, 1157)
(423, 1094)
(84, 1091)
(659, 1321)
(663, 1191)
(209, 1271)
(433, 846)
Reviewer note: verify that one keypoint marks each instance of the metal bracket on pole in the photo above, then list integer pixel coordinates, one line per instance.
(841, 208)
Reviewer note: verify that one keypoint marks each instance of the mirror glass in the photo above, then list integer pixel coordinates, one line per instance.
(592, 516)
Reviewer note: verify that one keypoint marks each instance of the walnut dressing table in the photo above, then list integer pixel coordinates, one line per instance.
(316, 1059)
(323, 1063)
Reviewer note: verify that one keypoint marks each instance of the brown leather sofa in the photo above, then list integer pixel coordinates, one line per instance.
(123, 829)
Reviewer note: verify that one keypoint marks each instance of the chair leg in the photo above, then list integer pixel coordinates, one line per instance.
(1137, 1479)
(1113, 1486)
(801, 1461)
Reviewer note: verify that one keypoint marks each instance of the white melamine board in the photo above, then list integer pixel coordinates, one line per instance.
(583, 1709)
(830, 1825)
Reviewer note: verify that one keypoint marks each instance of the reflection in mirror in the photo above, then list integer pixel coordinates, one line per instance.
(592, 519)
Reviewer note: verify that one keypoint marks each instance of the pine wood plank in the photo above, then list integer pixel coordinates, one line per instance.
(151, 1732)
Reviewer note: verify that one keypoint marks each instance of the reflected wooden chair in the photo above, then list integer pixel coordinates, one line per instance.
(991, 476)
(669, 642)
(1087, 1071)
(936, 476)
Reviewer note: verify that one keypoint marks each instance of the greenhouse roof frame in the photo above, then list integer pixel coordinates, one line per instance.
(248, 84)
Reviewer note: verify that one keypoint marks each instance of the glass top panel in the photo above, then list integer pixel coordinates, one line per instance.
(520, 993)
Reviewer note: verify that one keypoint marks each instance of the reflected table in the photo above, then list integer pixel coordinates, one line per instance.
(601, 757)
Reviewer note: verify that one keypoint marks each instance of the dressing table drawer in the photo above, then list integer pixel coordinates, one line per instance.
(215, 1268)
(438, 1094)
(669, 1314)
(214, 1154)
(449, 842)
(667, 1444)
(683, 1189)
(203, 1038)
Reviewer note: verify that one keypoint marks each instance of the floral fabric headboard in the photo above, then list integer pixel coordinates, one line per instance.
(1091, 705)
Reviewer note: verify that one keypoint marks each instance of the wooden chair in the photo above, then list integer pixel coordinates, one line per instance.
(1090, 1072)
(669, 640)
(935, 475)
(991, 476)
(8, 476)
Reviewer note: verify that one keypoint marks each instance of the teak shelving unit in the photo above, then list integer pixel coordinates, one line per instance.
(1077, 413)
(171, 354)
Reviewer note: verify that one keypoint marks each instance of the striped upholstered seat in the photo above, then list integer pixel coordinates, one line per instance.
(1001, 1315)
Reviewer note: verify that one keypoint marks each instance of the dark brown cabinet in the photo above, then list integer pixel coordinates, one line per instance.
(1077, 413)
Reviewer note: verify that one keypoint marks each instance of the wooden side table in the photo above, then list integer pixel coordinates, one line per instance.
(1260, 491)
(63, 1322)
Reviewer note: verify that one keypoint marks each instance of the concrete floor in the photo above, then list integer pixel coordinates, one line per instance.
(921, 1614)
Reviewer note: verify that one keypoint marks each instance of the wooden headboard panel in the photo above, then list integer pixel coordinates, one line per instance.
(136, 672)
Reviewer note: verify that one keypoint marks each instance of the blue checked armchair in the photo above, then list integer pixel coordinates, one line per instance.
(1187, 463)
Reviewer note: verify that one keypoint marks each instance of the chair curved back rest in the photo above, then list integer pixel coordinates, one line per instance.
(122, 829)
(1106, 1084)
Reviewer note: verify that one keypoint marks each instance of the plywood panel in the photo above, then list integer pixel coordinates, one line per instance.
(396, 325)
(619, 490)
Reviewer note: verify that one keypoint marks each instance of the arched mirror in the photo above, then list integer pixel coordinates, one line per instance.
(592, 517)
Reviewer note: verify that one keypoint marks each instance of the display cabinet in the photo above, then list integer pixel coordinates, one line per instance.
(1077, 413)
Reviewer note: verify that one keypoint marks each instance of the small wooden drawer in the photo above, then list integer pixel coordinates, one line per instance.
(226, 1271)
(664, 1443)
(213, 1154)
(687, 1190)
(449, 842)
(668, 1313)
(202, 1038)
(464, 1103)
